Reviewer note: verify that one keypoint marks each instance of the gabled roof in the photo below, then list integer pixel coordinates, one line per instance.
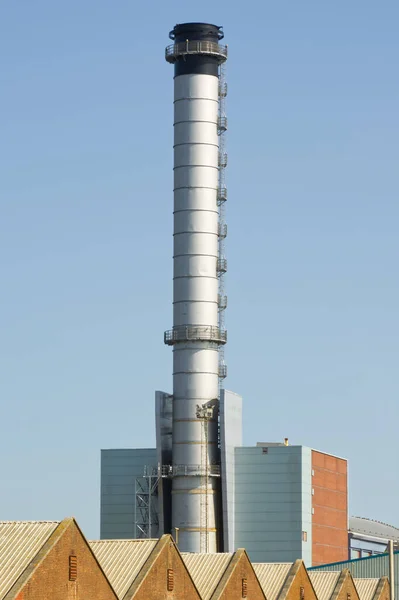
(272, 577)
(122, 560)
(324, 583)
(366, 588)
(206, 570)
(20, 542)
(239, 561)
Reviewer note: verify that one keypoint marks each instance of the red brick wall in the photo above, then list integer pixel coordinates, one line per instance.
(383, 591)
(50, 580)
(348, 590)
(151, 583)
(231, 586)
(330, 504)
(300, 586)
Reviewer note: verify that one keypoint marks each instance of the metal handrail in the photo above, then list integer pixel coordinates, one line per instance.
(222, 230)
(221, 265)
(173, 51)
(192, 333)
(222, 301)
(222, 161)
(222, 371)
(223, 89)
(221, 195)
(187, 470)
(222, 124)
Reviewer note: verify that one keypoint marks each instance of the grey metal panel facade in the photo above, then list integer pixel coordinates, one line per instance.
(373, 566)
(271, 495)
(119, 469)
(230, 438)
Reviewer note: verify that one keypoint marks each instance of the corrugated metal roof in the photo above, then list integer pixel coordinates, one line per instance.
(367, 567)
(20, 541)
(324, 583)
(122, 560)
(373, 528)
(366, 587)
(272, 577)
(206, 570)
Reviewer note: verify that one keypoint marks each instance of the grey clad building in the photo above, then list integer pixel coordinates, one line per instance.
(271, 496)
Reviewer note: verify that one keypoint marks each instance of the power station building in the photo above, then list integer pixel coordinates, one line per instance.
(279, 502)
(200, 483)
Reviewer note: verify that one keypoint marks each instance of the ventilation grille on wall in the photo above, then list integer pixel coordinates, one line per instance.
(244, 588)
(73, 568)
(170, 580)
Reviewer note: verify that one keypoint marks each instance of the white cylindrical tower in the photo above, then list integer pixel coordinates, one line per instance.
(196, 335)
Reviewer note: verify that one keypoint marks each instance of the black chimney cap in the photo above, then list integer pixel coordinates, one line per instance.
(196, 32)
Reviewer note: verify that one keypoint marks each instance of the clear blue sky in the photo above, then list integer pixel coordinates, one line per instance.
(86, 237)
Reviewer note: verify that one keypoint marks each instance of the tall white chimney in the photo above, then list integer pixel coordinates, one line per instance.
(198, 333)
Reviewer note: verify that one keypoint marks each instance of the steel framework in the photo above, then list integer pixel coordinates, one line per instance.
(146, 506)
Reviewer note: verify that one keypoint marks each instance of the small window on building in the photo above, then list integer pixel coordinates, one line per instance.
(170, 580)
(355, 553)
(304, 536)
(73, 568)
(367, 553)
(302, 593)
(265, 450)
(244, 588)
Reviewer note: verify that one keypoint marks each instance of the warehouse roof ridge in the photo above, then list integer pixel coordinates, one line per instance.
(366, 587)
(272, 577)
(324, 583)
(20, 541)
(122, 560)
(206, 570)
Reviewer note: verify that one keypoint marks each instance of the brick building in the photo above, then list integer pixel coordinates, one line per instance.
(227, 576)
(53, 561)
(334, 585)
(239, 580)
(145, 569)
(340, 585)
(373, 588)
(367, 572)
(285, 581)
(49, 561)
(329, 509)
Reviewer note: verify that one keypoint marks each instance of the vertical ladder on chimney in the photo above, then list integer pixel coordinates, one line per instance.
(204, 487)
(204, 414)
(222, 229)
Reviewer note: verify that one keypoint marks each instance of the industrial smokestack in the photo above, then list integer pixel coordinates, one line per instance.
(198, 333)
